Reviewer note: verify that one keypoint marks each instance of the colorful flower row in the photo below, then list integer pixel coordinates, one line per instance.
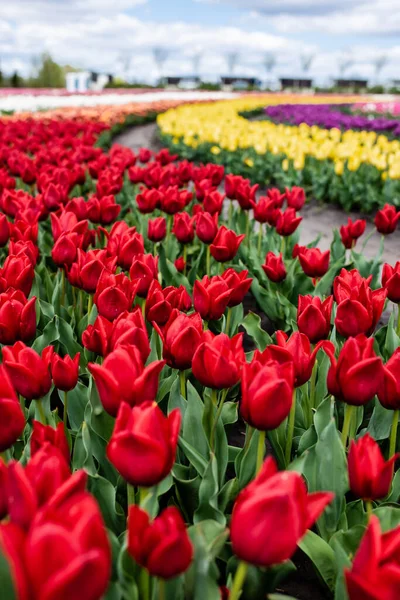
(134, 412)
(351, 168)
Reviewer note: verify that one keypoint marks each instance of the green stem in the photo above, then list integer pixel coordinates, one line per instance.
(247, 231)
(283, 246)
(161, 589)
(65, 410)
(249, 434)
(182, 379)
(260, 232)
(228, 320)
(63, 287)
(5, 456)
(220, 406)
(393, 433)
(41, 411)
(184, 258)
(290, 429)
(368, 506)
(230, 214)
(144, 584)
(131, 494)
(143, 493)
(398, 321)
(208, 261)
(80, 304)
(90, 304)
(348, 413)
(260, 451)
(238, 580)
(312, 391)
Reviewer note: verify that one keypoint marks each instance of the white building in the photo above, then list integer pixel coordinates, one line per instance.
(84, 81)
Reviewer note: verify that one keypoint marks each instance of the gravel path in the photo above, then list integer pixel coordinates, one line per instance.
(318, 219)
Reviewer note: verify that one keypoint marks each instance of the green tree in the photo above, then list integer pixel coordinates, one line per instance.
(15, 80)
(50, 74)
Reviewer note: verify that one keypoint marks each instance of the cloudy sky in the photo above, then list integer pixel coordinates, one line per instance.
(125, 36)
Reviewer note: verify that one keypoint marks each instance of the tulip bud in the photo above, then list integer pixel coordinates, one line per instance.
(157, 229)
(386, 219)
(181, 336)
(314, 317)
(274, 267)
(210, 297)
(226, 244)
(162, 546)
(143, 444)
(218, 360)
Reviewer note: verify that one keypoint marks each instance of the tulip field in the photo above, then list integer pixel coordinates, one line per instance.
(194, 404)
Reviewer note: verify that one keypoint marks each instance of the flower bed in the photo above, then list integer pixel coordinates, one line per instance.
(149, 449)
(355, 169)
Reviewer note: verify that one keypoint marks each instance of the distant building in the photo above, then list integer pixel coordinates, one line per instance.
(297, 83)
(351, 85)
(184, 82)
(239, 83)
(85, 81)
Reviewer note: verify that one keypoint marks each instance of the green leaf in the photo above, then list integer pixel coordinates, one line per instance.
(380, 422)
(8, 591)
(192, 432)
(193, 456)
(208, 495)
(321, 555)
(252, 325)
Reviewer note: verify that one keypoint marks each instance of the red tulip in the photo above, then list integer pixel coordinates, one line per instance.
(162, 546)
(314, 317)
(180, 264)
(145, 155)
(352, 231)
(275, 195)
(12, 419)
(3, 491)
(226, 244)
(174, 200)
(181, 336)
(183, 228)
(231, 184)
(245, 194)
(288, 222)
(359, 308)
(148, 200)
(266, 211)
(213, 202)
(85, 272)
(143, 444)
(314, 262)
(357, 375)
(274, 267)
(29, 372)
(218, 360)
(17, 272)
(123, 378)
(12, 541)
(386, 219)
(203, 187)
(370, 474)
(267, 392)
(210, 297)
(157, 229)
(375, 572)
(143, 271)
(95, 337)
(103, 210)
(4, 230)
(206, 227)
(114, 295)
(238, 283)
(295, 197)
(125, 243)
(389, 390)
(159, 303)
(64, 251)
(43, 434)
(391, 281)
(275, 507)
(69, 530)
(130, 329)
(17, 317)
(65, 371)
(297, 349)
